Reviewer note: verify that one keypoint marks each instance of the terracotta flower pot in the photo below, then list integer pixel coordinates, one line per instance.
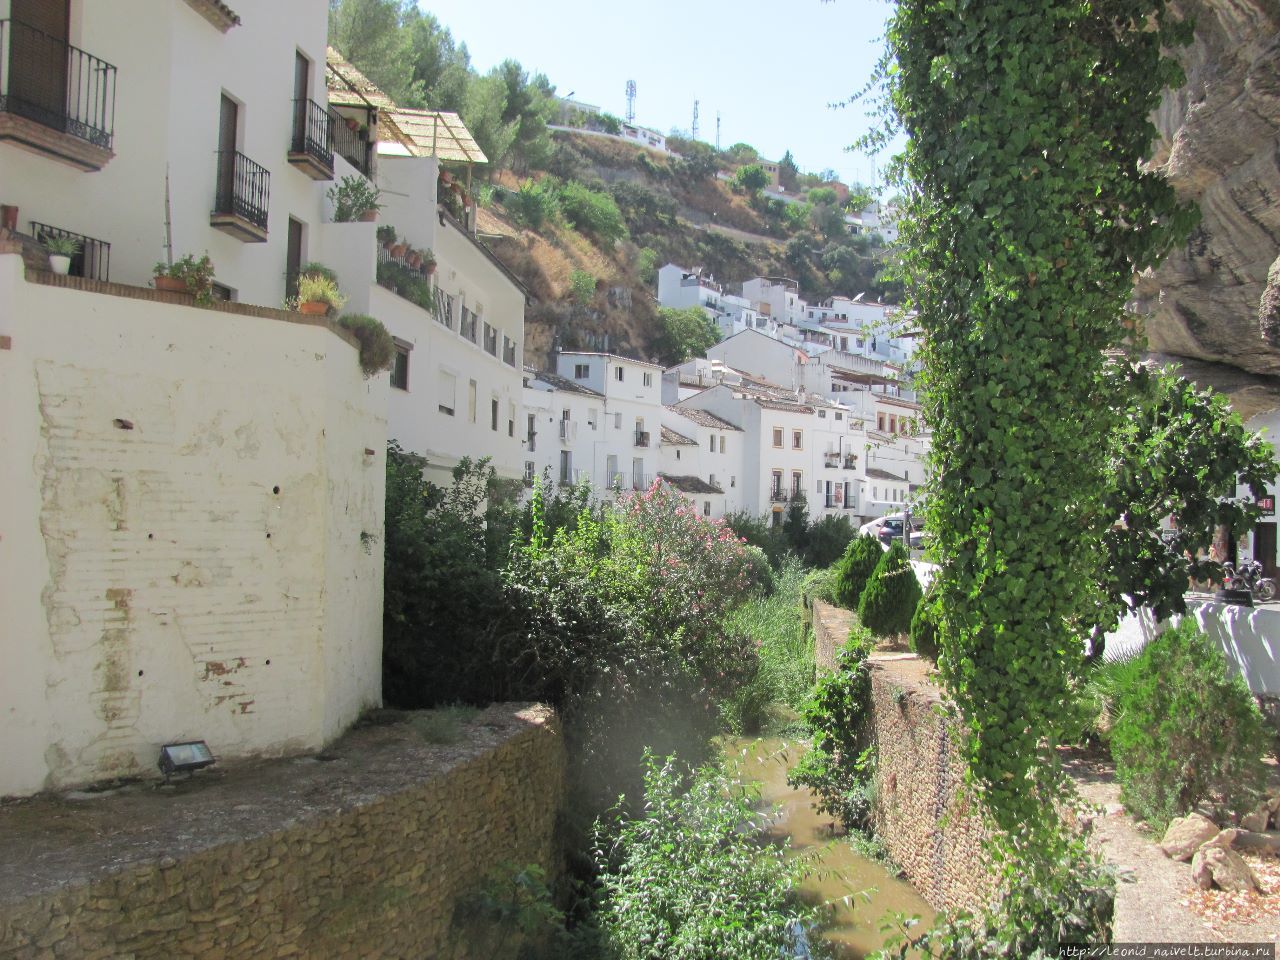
(313, 308)
(8, 216)
(398, 249)
(429, 267)
(415, 259)
(369, 216)
(171, 284)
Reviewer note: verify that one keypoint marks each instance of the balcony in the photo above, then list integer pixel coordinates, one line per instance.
(55, 98)
(241, 197)
(833, 502)
(779, 496)
(311, 149)
(641, 481)
(94, 259)
(831, 460)
(642, 438)
(350, 144)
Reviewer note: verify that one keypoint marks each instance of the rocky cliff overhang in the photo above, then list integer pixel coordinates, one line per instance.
(1214, 306)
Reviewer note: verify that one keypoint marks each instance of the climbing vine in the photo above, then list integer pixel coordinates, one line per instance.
(1027, 213)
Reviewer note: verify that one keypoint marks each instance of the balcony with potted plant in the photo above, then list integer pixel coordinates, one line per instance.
(60, 249)
(318, 294)
(188, 275)
(91, 258)
(355, 199)
(55, 99)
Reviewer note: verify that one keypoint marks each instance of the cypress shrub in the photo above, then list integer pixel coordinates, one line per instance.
(860, 558)
(891, 595)
(1186, 730)
(924, 627)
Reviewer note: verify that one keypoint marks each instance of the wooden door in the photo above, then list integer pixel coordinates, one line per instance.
(1264, 547)
(39, 31)
(228, 119)
(293, 258)
(301, 88)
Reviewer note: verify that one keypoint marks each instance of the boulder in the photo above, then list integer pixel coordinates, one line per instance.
(1215, 865)
(1256, 820)
(1186, 834)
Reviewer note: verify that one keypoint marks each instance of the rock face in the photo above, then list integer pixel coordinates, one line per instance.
(1217, 301)
(1186, 834)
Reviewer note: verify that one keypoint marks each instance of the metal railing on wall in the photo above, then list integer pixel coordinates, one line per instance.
(93, 260)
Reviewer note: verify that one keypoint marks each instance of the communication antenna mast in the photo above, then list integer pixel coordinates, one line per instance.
(694, 131)
(717, 130)
(631, 101)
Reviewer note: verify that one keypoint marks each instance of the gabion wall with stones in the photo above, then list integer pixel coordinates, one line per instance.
(387, 876)
(922, 810)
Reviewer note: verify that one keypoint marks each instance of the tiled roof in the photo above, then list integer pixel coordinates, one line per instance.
(690, 484)
(875, 473)
(679, 439)
(565, 384)
(704, 418)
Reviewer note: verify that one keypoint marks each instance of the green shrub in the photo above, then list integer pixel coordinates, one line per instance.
(891, 595)
(535, 203)
(838, 767)
(756, 532)
(827, 539)
(377, 349)
(683, 879)
(924, 627)
(583, 287)
(1187, 731)
(592, 212)
(819, 585)
(859, 560)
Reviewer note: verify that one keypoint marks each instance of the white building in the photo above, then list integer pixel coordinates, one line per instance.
(456, 384)
(782, 297)
(191, 527)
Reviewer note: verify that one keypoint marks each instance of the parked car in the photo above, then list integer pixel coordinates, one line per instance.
(872, 527)
(891, 530)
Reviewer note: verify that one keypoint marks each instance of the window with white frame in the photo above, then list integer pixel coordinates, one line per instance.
(581, 371)
(490, 340)
(648, 379)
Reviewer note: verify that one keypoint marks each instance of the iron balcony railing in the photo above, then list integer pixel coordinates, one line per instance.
(641, 481)
(244, 188)
(312, 131)
(778, 496)
(47, 80)
(350, 145)
(94, 257)
(834, 502)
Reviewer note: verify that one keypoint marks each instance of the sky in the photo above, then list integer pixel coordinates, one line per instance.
(770, 70)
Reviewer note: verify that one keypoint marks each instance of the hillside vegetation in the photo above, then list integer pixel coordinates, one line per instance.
(584, 219)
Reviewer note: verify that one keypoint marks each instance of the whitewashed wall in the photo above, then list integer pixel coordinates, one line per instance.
(190, 537)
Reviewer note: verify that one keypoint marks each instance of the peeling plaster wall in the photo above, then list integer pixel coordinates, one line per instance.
(190, 537)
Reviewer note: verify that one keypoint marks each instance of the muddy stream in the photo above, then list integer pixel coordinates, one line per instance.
(842, 876)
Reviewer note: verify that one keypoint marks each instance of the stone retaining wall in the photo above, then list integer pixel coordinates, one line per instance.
(368, 856)
(922, 810)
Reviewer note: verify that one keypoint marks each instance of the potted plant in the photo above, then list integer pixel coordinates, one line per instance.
(61, 250)
(387, 236)
(428, 262)
(415, 258)
(354, 198)
(317, 294)
(187, 275)
(377, 348)
(398, 250)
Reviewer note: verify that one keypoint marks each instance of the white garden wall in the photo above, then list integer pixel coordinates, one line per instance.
(190, 533)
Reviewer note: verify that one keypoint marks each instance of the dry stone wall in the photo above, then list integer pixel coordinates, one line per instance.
(370, 857)
(923, 811)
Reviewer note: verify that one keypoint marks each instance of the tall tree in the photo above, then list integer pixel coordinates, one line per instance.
(441, 67)
(788, 172)
(367, 33)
